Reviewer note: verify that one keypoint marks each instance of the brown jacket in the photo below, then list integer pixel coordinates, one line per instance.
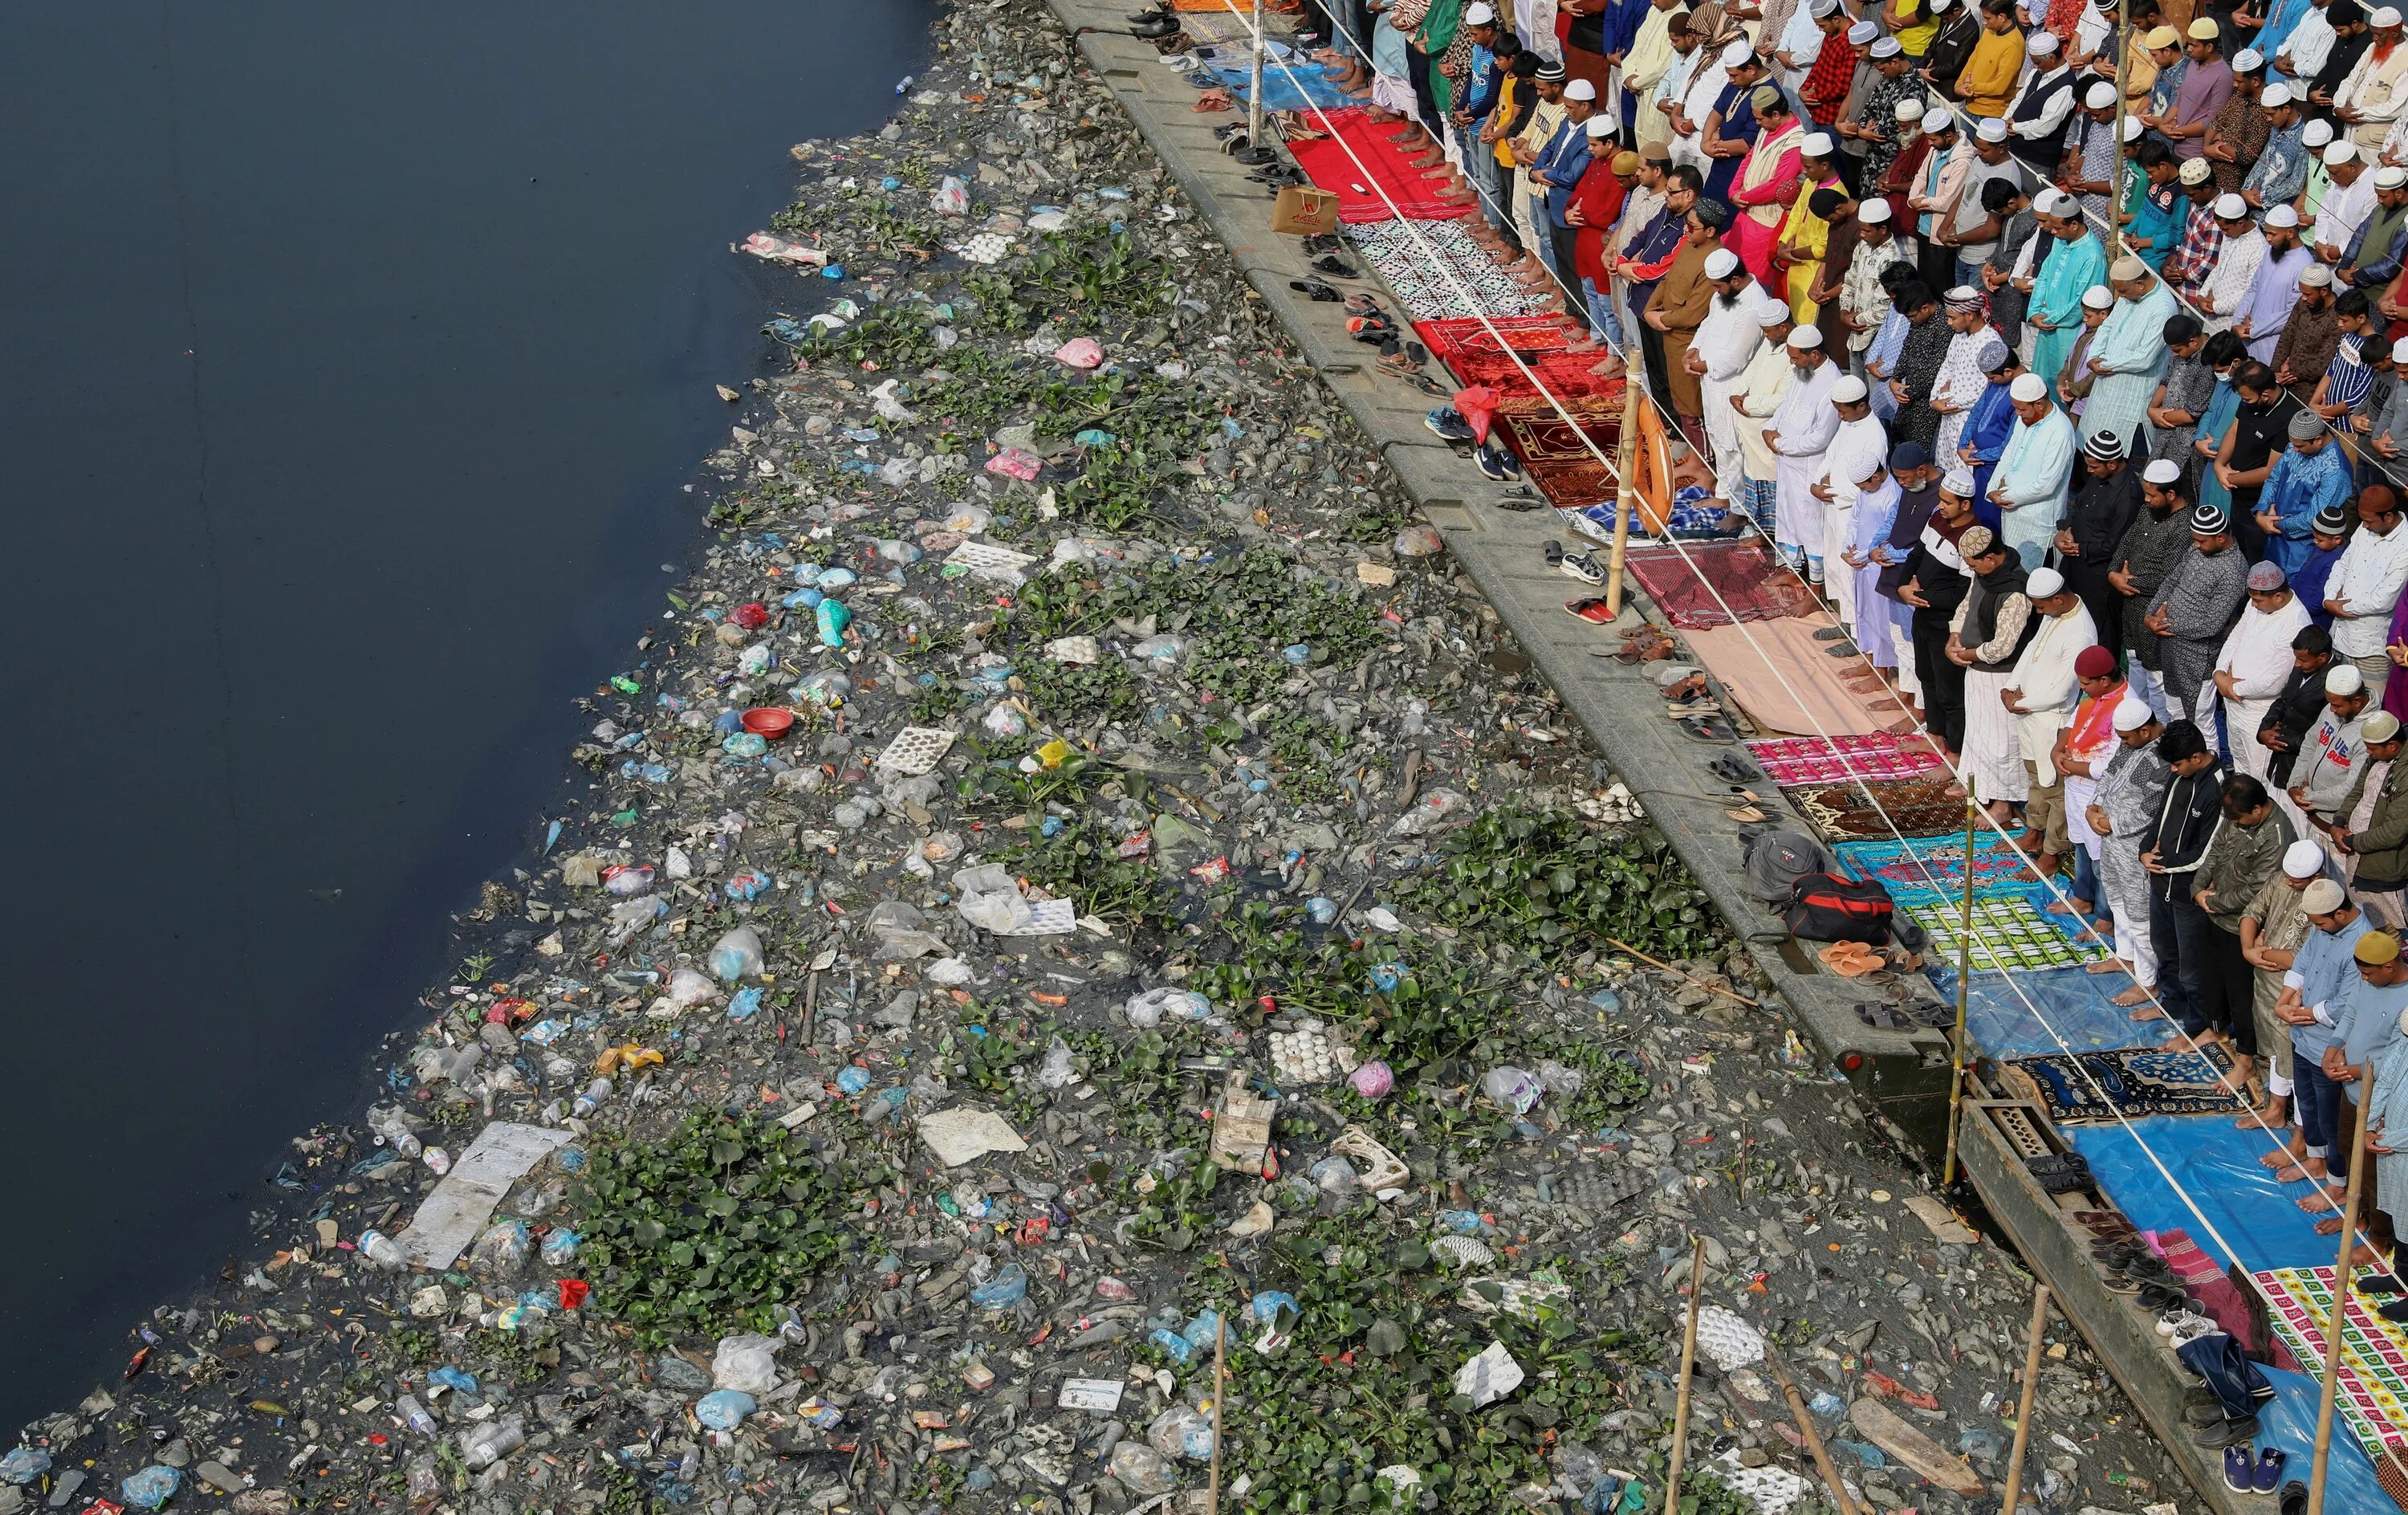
(1682, 298)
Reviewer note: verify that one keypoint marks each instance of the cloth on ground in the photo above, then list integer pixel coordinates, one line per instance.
(1793, 760)
(2372, 1393)
(2215, 1163)
(2090, 1087)
(1358, 164)
(1309, 85)
(1881, 811)
(1804, 697)
(1478, 356)
(2219, 1298)
(2069, 1004)
(2010, 934)
(1936, 863)
(1683, 585)
(1429, 279)
(2288, 1421)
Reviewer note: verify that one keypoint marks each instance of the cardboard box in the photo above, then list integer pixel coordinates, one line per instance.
(1305, 212)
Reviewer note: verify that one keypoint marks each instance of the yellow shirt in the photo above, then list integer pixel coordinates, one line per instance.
(1989, 77)
(1915, 33)
(1504, 112)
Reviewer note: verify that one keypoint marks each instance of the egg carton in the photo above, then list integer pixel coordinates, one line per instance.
(915, 749)
(1729, 1342)
(1303, 1057)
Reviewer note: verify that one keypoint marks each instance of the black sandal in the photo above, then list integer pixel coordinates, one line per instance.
(1733, 769)
(1321, 293)
(1712, 729)
(1880, 1017)
(1335, 266)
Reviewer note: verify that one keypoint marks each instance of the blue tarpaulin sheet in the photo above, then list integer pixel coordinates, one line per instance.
(2289, 1422)
(2077, 1005)
(2216, 1164)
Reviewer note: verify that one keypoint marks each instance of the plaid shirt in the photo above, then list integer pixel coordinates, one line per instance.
(1827, 82)
(2194, 256)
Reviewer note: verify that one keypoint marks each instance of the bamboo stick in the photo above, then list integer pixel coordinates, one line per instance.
(2023, 1406)
(1688, 1375)
(2342, 1270)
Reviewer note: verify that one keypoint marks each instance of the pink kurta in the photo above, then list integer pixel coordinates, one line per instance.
(1761, 195)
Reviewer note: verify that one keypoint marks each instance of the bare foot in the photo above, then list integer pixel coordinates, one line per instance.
(2271, 1115)
(2293, 1173)
(1609, 368)
(2280, 1159)
(2323, 1200)
(2107, 965)
(2136, 995)
(2365, 1257)
(2068, 906)
(2329, 1226)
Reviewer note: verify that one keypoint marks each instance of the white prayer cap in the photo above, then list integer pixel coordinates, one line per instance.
(2322, 898)
(1824, 10)
(2282, 215)
(1866, 468)
(1770, 309)
(2383, 16)
(2163, 470)
(2399, 350)
(2042, 45)
(2196, 172)
(2316, 133)
(2026, 388)
(1600, 124)
(1888, 46)
(2248, 60)
(1818, 145)
(1873, 212)
(1992, 129)
(2101, 96)
(2132, 128)
(2132, 712)
(2044, 583)
(1479, 15)
(1958, 482)
(2316, 276)
(1736, 53)
(2381, 727)
(2276, 94)
(1849, 390)
(2232, 207)
(2303, 859)
(1937, 120)
(1721, 262)
(2340, 153)
(1805, 339)
(1863, 32)
(2098, 298)
(2343, 679)
(1580, 89)
(2390, 175)
(1909, 109)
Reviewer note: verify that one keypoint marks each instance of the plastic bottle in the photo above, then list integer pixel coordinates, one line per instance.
(382, 1250)
(415, 1415)
(492, 1441)
(591, 1101)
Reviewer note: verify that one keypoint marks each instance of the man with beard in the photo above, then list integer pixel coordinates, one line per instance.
(2096, 520)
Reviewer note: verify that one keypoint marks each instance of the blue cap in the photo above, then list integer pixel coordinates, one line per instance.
(1908, 454)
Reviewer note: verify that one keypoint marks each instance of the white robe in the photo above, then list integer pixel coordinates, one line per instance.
(1857, 448)
(1762, 387)
(2258, 654)
(1724, 341)
(2043, 674)
(1960, 384)
(1803, 427)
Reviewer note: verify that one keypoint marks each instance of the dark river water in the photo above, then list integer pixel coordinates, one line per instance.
(352, 363)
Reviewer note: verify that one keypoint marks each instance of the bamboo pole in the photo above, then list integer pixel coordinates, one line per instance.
(1688, 1372)
(2115, 174)
(1625, 489)
(1219, 1339)
(1964, 990)
(1254, 105)
(2358, 1163)
(2024, 1407)
(1814, 1437)
(1654, 962)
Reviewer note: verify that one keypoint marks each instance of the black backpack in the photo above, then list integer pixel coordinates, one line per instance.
(1826, 907)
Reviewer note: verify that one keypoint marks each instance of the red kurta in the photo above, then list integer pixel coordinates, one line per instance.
(1598, 196)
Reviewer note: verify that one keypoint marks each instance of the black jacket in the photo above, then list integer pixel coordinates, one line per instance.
(2188, 818)
(2291, 714)
(2097, 517)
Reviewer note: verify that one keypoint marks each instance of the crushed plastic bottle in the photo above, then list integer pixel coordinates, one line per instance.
(489, 1443)
(592, 1100)
(383, 1251)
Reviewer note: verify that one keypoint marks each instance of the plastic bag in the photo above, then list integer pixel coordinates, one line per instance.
(501, 1251)
(688, 987)
(989, 899)
(952, 197)
(1182, 1431)
(1160, 653)
(1433, 810)
(1418, 542)
(152, 1487)
(1146, 1011)
(1141, 1470)
(737, 955)
(1372, 1079)
(1008, 1287)
(724, 1409)
(1057, 1073)
(748, 1364)
(1517, 1090)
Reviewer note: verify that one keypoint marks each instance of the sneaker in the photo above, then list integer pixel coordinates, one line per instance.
(2269, 1476)
(1583, 567)
(2240, 1469)
(1495, 463)
(1448, 425)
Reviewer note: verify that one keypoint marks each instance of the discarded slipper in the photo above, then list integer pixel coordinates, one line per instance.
(1595, 611)
(1428, 385)
(1321, 293)
(1712, 729)
(1553, 550)
(1733, 769)
(1336, 267)
(1830, 633)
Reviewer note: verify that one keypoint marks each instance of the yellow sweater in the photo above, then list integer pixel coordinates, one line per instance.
(1988, 80)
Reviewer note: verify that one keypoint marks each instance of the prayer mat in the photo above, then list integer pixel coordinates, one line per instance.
(2220, 1299)
(1293, 88)
(2373, 1391)
(1371, 176)
(2009, 936)
(1430, 264)
(1478, 356)
(1894, 807)
(1556, 454)
(1777, 672)
(1691, 585)
(2090, 1086)
(1935, 864)
(1793, 760)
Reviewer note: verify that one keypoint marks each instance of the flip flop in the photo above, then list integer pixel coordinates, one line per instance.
(1593, 610)
(1708, 728)
(1881, 1017)
(1335, 267)
(1321, 293)
(1733, 769)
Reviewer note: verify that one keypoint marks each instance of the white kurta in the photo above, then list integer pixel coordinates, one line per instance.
(1802, 427)
(1724, 341)
(2258, 654)
(1857, 448)
(1959, 385)
(2376, 89)
(2044, 673)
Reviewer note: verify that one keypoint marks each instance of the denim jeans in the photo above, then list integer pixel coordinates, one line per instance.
(2178, 960)
(1603, 324)
(2323, 1112)
(1544, 244)
(2084, 884)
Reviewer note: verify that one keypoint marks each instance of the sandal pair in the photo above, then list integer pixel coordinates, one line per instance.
(1851, 959)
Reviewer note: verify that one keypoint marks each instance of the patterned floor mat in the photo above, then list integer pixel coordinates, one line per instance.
(1793, 760)
(1371, 175)
(1415, 274)
(2010, 935)
(2090, 1086)
(2372, 1395)
(1936, 863)
(1914, 807)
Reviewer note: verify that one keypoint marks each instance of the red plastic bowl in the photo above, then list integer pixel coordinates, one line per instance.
(770, 721)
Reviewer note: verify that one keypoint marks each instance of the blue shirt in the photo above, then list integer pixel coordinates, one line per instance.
(1987, 428)
(2318, 965)
(2295, 491)
(2309, 582)
(1485, 76)
(1563, 160)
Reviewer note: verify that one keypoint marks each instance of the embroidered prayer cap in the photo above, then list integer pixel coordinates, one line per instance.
(1873, 212)
(2316, 276)
(2322, 897)
(1551, 73)
(1992, 129)
(1599, 126)
(2375, 948)
(2343, 679)
(2232, 207)
(2204, 30)
(1994, 355)
(2098, 297)
(1909, 111)
(1480, 14)
(1714, 214)
(1625, 162)
(1721, 262)
(2101, 96)
(1849, 390)
(1772, 309)
(2162, 37)
(1818, 145)
(1738, 54)
(2093, 663)
(2042, 45)
(2132, 712)
(2333, 521)
(1959, 483)
(2266, 577)
(2337, 154)
(2306, 424)
(2195, 171)
(2026, 388)
(1888, 48)
(1765, 97)
(1936, 121)
(2380, 727)
(1964, 297)
(2282, 215)
(2316, 133)
(1825, 10)
(2303, 859)
(2127, 269)
(2248, 60)
(2209, 520)
(1863, 32)
(2384, 16)
(2275, 95)
(1977, 540)
(1580, 89)
(2105, 446)
(2044, 583)
(1910, 454)
(1805, 339)
(2054, 202)
(2162, 471)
